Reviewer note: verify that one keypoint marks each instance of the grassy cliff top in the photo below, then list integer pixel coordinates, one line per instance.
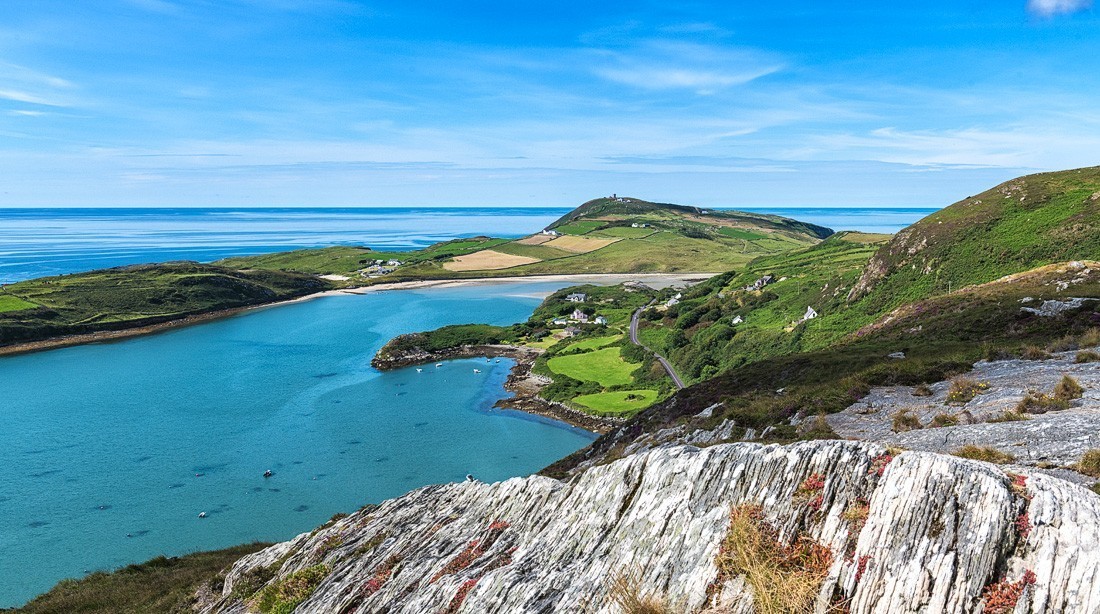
(1018, 225)
(617, 211)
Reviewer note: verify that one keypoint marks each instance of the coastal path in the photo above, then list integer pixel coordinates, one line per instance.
(661, 359)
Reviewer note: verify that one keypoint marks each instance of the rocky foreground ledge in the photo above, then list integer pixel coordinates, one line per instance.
(911, 532)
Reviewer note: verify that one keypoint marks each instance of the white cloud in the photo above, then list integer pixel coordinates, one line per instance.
(1049, 8)
(661, 65)
(19, 96)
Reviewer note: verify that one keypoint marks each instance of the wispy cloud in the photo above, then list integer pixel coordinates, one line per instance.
(19, 96)
(660, 65)
(1050, 8)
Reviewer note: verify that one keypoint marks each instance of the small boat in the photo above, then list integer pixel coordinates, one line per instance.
(439, 364)
(477, 370)
(202, 514)
(497, 360)
(418, 369)
(268, 473)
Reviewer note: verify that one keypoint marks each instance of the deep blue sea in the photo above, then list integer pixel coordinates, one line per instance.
(110, 451)
(39, 242)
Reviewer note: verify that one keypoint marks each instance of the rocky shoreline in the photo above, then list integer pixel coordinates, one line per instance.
(522, 383)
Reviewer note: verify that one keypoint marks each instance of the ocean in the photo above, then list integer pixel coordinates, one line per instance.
(40, 242)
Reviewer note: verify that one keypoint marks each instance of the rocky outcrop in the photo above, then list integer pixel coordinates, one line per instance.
(1053, 440)
(396, 355)
(930, 533)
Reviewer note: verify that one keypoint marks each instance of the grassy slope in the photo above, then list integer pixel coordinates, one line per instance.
(162, 585)
(1018, 225)
(698, 335)
(605, 366)
(678, 239)
(126, 297)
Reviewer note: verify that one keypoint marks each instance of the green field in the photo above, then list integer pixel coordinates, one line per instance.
(13, 303)
(737, 233)
(580, 227)
(624, 232)
(619, 401)
(124, 297)
(605, 367)
(595, 343)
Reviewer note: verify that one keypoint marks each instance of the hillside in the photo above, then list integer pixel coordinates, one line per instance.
(136, 296)
(622, 211)
(1018, 225)
(600, 236)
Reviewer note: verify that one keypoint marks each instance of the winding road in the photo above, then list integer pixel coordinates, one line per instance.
(661, 359)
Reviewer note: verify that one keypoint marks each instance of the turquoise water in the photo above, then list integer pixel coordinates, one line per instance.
(111, 451)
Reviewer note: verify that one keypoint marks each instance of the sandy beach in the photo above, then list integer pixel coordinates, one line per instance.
(655, 280)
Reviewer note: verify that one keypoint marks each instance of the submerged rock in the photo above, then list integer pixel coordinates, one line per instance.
(916, 532)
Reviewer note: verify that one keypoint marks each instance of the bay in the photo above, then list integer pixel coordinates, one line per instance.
(111, 451)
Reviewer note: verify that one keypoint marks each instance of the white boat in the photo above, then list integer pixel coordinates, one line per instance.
(477, 370)
(418, 369)
(439, 364)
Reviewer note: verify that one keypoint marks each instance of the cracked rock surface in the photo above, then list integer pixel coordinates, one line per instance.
(939, 530)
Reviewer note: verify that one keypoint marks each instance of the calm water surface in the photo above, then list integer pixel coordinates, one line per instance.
(111, 451)
(39, 242)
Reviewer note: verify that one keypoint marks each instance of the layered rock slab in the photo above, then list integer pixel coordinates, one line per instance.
(938, 531)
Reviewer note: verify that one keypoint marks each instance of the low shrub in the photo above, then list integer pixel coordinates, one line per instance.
(1001, 597)
(984, 453)
(944, 420)
(1010, 416)
(1068, 389)
(1032, 352)
(904, 420)
(964, 389)
(784, 578)
(285, 595)
(1039, 403)
(922, 390)
(1090, 463)
(1087, 356)
(1090, 338)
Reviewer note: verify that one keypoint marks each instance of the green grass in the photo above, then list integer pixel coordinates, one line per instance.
(163, 585)
(619, 401)
(737, 233)
(605, 367)
(580, 227)
(624, 232)
(14, 303)
(125, 297)
(594, 343)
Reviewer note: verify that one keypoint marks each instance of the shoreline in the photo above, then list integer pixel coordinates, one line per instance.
(522, 383)
(52, 343)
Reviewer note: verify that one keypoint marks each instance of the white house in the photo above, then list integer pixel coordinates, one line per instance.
(572, 331)
(737, 320)
(810, 314)
(577, 297)
(561, 321)
(580, 316)
(551, 233)
(672, 301)
(601, 320)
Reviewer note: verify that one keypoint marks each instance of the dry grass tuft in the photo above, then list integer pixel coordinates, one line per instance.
(1039, 403)
(626, 593)
(784, 578)
(904, 421)
(1068, 389)
(1010, 416)
(984, 453)
(922, 390)
(1089, 339)
(1087, 356)
(964, 389)
(1090, 463)
(944, 420)
(1033, 352)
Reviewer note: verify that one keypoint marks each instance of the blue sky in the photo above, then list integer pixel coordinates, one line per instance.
(341, 102)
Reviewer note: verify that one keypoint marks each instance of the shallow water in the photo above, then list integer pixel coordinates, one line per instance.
(110, 451)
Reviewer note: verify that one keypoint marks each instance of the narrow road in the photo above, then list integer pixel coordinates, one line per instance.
(661, 359)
